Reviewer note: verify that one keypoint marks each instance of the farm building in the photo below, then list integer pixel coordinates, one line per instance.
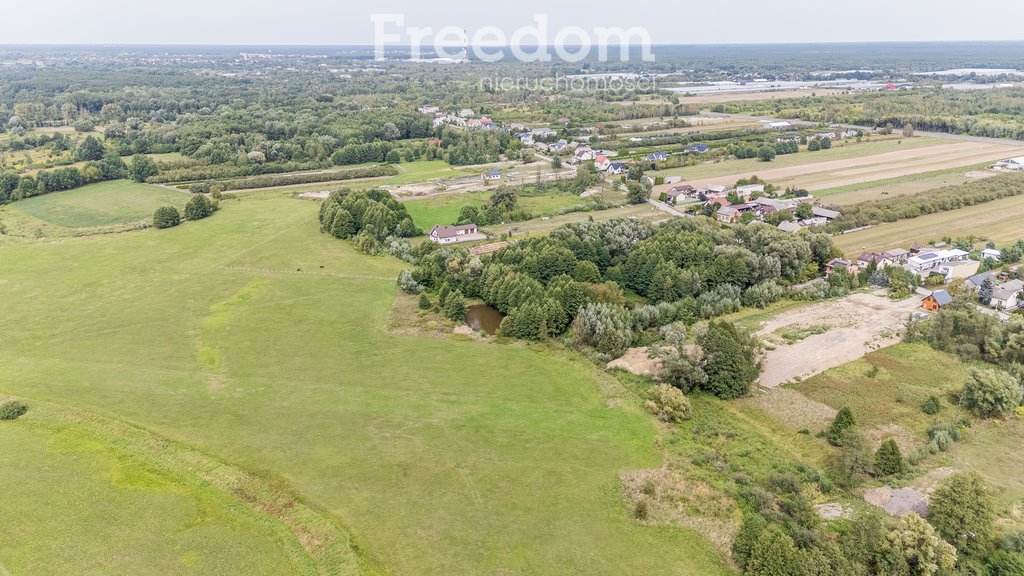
(778, 125)
(936, 301)
(790, 227)
(750, 189)
(453, 234)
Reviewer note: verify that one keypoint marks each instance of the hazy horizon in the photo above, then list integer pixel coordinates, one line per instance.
(322, 23)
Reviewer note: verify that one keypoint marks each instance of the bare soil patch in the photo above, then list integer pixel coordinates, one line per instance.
(793, 409)
(858, 324)
(637, 361)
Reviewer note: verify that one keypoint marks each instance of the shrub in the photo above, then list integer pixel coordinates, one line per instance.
(668, 403)
(408, 284)
(932, 405)
(425, 303)
(991, 393)
(606, 327)
(840, 424)
(889, 460)
(166, 217)
(198, 207)
(730, 360)
(12, 410)
(1003, 563)
(641, 510)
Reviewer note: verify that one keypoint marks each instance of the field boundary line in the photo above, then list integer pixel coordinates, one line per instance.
(305, 273)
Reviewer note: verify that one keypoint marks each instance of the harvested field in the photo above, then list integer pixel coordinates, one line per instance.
(860, 323)
(933, 156)
(999, 221)
(751, 96)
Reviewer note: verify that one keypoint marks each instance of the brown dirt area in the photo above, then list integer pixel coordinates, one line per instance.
(637, 361)
(859, 323)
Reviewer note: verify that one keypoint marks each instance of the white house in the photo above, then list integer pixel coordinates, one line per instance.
(491, 175)
(602, 163)
(453, 234)
(1007, 295)
(778, 125)
(617, 168)
(991, 254)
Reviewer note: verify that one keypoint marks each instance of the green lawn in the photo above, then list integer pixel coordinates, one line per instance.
(907, 375)
(76, 502)
(445, 209)
(257, 340)
(103, 204)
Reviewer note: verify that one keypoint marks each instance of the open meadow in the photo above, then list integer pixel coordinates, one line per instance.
(255, 340)
(118, 202)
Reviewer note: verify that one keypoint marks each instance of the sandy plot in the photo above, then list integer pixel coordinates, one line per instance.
(859, 323)
(836, 173)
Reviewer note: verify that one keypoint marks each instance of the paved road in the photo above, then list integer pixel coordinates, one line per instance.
(943, 135)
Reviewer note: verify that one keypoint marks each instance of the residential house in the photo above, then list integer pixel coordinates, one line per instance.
(880, 260)
(602, 163)
(936, 300)
(491, 175)
(696, 149)
(838, 264)
(682, 191)
(1007, 295)
(656, 157)
(991, 254)
(583, 154)
(617, 168)
(425, 109)
(728, 214)
(975, 282)
(452, 234)
(897, 255)
(466, 113)
(543, 133)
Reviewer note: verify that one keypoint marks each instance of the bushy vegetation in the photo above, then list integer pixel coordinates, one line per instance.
(12, 410)
(368, 217)
(199, 207)
(166, 217)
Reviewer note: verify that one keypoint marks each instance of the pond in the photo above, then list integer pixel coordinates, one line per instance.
(483, 318)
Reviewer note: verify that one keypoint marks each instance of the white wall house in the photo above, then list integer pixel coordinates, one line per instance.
(453, 234)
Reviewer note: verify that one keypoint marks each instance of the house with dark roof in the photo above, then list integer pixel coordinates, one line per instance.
(937, 300)
(975, 282)
(491, 175)
(840, 265)
(696, 149)
(1007, 295)
(617, 168)
(656, 157)
(453, 234)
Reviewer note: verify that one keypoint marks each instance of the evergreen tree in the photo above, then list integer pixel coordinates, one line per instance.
(888, 459)
(985, 292)
(963, 513)
(840, 424)
(455, 306)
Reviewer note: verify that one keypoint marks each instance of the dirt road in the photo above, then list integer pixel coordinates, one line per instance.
(856, 325)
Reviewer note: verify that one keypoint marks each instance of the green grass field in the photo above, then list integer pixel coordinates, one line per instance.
(889, 403)
(438, 456)
(110, 510)
(445, 209)
(103, 204)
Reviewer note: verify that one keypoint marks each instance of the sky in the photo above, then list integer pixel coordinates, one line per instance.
(346, 22)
